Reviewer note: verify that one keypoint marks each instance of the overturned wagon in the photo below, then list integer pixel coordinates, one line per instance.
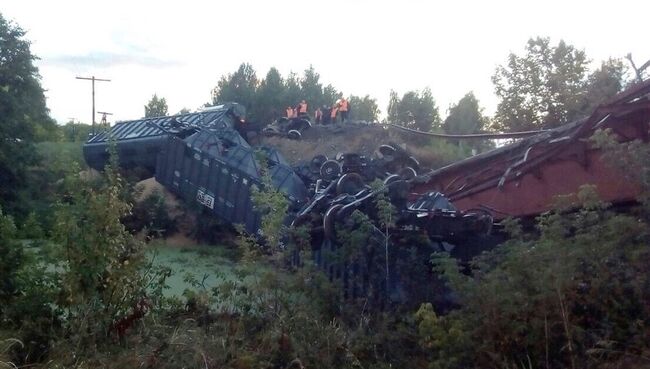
(524, 178)
(202, 158)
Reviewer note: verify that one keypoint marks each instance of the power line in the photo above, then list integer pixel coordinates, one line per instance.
(469, 136)
(93, 79)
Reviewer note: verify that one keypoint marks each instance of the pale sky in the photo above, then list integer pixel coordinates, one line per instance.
(180, 49)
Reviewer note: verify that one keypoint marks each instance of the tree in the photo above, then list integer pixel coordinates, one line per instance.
(12, 258)
(365, 108)
(541, 89)
(311, 89)
(270, 97)
(466, 117)
(330, 95)
(106, 276)
(416, 110)
(156, 107)
(75, 132)
(292, 90)
(240, 87)
(603, 83)
(23, 114)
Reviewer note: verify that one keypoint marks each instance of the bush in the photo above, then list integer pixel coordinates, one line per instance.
(152, 214)
(574, 297)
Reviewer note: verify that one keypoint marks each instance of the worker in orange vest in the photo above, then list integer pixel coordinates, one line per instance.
(289, 112)
(343, 108)
(302, 108)
(333, 113)
(318, 115)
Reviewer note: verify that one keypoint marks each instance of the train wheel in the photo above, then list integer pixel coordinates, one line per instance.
(391, 178)
(317, 162)
(387, 150)
(330, 170)
(329, 221)
(413, 163)
(294, 135)
(407, 173)
(349, 183)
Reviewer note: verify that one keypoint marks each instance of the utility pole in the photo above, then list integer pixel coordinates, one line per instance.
(93, 79)
(71, 120)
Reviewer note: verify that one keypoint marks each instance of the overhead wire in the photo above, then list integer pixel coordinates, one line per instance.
(495, 135)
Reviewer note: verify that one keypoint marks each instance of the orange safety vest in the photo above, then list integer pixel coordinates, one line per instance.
(333, 113)
(303, 108)
(289, 113)
(343, 106)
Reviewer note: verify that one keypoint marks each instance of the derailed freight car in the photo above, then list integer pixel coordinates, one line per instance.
(138, 142)
(219, 170)
(201, 157)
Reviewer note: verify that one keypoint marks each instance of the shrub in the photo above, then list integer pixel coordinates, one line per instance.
(575, 296)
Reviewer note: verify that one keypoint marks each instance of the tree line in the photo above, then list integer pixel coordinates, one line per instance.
(544, 87)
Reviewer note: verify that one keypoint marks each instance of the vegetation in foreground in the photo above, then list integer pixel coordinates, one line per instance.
(84, 294)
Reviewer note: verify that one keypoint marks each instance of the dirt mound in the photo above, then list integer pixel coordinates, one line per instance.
(185, 221)
(89, 175)
(150, 185)
(330, 140)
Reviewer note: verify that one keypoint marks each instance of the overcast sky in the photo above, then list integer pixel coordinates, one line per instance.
(180, 49)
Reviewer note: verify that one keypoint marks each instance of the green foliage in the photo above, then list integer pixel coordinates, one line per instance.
(104, 274)
(549, 86)
(75, 132)
(416, 109)
(270, 102)
(156, 107)
(45, 180)
(572, 297)
(365, 108)
(12, 258)
(152, 214)
(604, 83)
(439, 152)
(26, 293)
(354, 236)
(445, 337)
(466, 117)
(23, 114)
(273, 205)
(630, 158)
(240, 87)
(311, 89)
(31, 229)
(541, 89)
(266, 99)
